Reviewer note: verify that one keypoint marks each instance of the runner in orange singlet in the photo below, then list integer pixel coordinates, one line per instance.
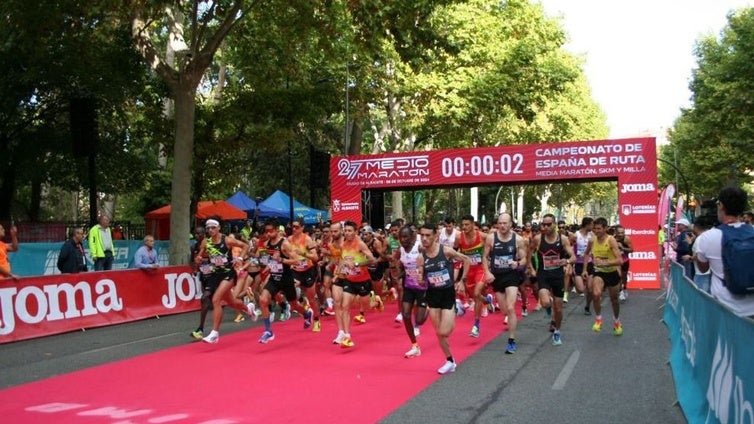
(471, 243)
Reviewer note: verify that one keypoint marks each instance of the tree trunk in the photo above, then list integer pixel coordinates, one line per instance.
(180, 192)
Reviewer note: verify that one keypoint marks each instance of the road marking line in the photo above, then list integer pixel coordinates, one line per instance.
(130, 343)
(565, 373)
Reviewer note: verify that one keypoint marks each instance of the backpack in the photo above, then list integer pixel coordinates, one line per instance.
(737, 253)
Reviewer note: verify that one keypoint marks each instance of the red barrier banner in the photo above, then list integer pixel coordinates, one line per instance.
(45, 305)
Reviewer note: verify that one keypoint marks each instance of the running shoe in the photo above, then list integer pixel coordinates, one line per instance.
(360, 319)
(346, 343)
(379, 305)
(565, 297)
(413, 352)
(339, 338)
(251, 309)
(524, 312)
(329, 311)
(459, 308)
(485, 312)
(239, 317)
(213, 338)
(448, 367)
(490, 301)
(399, 317)
(597, 327)
(617, 329)
(474, 332)
(622, 296)
(308, 318)
(511, 348)
(587, 311)
(198, 334)
(267, 337)
(417, 332)
(317, 327)
(556, 341)
(286, 315)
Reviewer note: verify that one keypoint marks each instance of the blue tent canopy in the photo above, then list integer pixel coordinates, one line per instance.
(278, 204)
(243, 202)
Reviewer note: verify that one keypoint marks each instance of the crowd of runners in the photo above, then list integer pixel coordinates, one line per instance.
(432, 271)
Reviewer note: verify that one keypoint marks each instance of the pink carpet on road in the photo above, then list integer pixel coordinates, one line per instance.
(298, 376)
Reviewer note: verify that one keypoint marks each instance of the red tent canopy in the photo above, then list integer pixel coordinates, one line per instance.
(158, 220)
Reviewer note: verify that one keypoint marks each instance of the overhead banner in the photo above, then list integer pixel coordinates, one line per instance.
(41, 306)
(632, 162)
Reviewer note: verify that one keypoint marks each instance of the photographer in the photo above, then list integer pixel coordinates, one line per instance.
(682, 246)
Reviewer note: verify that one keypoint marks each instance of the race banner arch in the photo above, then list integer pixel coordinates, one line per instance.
(632, 162)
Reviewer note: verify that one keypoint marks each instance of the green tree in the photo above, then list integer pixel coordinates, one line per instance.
(713, 139)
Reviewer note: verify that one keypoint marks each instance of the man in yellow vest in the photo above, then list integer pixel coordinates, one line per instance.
(101, 245)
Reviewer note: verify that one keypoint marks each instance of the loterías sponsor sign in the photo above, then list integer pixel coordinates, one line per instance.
(40, 306)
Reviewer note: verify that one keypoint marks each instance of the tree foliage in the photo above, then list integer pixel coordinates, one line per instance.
(711, 142)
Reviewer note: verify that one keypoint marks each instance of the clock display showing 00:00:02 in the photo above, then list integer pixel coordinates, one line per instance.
(486, 165)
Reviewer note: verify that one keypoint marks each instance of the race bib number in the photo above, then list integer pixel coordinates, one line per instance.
(580, 250)
(475, 258)
(301, 265)
(275, 267)
(206, 268)
(550, 262)
(264, 259)
(219, 260)
(503, 262)
(439, 278)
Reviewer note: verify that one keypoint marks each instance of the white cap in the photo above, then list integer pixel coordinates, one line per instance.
(683, 221)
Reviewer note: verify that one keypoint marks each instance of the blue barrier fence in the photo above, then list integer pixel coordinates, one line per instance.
(710, 355)
(33, 259)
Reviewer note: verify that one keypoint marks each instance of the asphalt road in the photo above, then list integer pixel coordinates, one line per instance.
(591, 378)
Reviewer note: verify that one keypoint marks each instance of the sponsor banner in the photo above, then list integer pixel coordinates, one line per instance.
(41, 306)
(42, 258)
(709, 355)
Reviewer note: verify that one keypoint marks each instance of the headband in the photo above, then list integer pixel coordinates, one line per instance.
(211, 222)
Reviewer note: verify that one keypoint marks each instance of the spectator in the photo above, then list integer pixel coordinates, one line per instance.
(701, 278)
(682, 247)
(731, 202)
(71, 259)
(4, 249)
(247, 230)
(101, 245)
(748, 217)
(146, 256)
(118, 233)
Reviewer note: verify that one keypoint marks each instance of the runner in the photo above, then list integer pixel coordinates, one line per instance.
(606, 256)
(581, 239)
(352, 280)
(504, 255)
(219, 274)
(376, 270)
(563, 230)
(304, 272)
(393, 275)
(471, 243)
(626, 248)
(279, 258)
(414, 287)
(554, 252)
(436, 267)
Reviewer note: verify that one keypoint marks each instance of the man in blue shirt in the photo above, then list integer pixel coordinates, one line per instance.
(146, 256)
